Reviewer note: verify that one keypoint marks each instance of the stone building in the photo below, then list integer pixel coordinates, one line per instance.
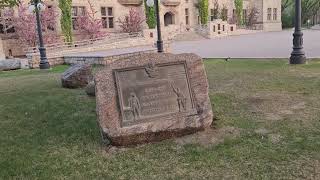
(176, 15)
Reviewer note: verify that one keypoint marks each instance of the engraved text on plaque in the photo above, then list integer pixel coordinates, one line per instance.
(153, 90)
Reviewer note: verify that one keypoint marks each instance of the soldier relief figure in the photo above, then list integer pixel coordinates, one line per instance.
(134, 105)
(181, 99)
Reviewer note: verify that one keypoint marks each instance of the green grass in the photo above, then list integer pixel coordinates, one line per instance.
(48, 132)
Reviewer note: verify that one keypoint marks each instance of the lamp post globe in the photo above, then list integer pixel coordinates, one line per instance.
(150, 3)
(31, 9)
(41, 6)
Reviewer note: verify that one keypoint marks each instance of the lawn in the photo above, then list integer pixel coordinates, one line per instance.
(48, 132)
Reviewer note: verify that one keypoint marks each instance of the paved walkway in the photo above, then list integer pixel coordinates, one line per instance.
(260, 45)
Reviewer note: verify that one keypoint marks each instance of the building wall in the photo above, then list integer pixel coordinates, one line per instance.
(175, 7)
(2, 55)
(271, 24)
(12, 47)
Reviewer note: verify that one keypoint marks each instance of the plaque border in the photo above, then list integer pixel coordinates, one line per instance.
(119, 92)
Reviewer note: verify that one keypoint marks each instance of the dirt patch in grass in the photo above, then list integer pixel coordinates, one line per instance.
(204, 138)
(275, 106)
(209, 137)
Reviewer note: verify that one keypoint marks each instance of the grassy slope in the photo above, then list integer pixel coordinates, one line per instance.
(48, 132)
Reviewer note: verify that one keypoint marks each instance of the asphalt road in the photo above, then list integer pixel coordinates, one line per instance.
(259, 45)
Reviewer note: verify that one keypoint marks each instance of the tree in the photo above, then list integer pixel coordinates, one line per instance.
(66, 19)
(6, 25)
(286, 4)
(239, 8)
(131, 22)
(150, 16)
(252, 17)
(89, 26)
(224, 13)
(25, 26)
(203, 11)
(309, 9)
(216, 9)
(9, 3)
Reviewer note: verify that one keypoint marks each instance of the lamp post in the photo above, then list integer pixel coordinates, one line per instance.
(36, 7)
(297, 55)
(150, 3)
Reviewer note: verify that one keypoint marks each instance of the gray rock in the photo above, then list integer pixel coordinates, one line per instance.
(10, 64)
(24, 63)
(91, 89)
(77, 76)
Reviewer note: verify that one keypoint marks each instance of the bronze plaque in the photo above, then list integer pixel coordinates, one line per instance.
(147, 93)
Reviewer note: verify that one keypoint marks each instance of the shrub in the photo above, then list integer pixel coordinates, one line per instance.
(203, 11)
(89, 26)
(239, 8)
(150, 16)
(252, 17)
(224, 13)
(131, 22)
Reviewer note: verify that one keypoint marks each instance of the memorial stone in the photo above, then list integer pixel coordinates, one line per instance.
(151, 97)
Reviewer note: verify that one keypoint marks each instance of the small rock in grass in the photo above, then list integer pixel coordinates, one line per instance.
(77, 76)
(91, 89)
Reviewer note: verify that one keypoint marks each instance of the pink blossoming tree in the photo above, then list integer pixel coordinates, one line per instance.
(89, 25)
(25, 26)
(132, 22)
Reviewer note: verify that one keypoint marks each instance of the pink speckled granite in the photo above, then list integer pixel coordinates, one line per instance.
(108, 108)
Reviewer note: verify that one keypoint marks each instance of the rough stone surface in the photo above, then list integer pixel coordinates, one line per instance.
(156, 81)
(76, 76)
(24, 64)
(9, 64)
(2, 54)
(91, 89)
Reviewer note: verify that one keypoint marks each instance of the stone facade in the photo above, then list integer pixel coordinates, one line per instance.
(2, 54)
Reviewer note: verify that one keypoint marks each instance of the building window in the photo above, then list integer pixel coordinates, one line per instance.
(187, 16)
(211, 14)
(269, 11)
(244, 16)
(107, 17)
(275, 14)
(224, 14)
(168, 18)
(76, 12)
(219, 27)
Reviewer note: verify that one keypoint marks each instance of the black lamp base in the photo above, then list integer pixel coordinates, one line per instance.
(298, 59)
(44, 65)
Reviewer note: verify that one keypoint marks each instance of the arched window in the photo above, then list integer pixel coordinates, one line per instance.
(168, 18)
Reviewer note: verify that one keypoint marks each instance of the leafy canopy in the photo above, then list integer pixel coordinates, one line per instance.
(9, 3)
